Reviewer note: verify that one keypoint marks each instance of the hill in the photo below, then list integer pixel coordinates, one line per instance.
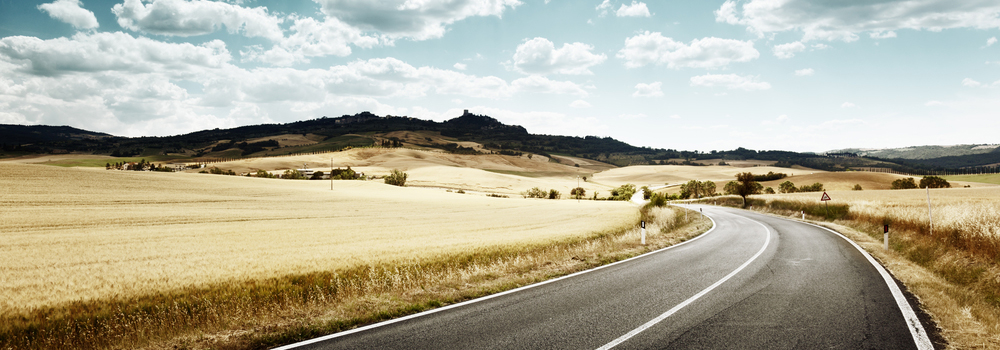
(466, 134)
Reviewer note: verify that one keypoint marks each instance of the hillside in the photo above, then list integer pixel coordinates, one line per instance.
(920, 152)
(466, 134)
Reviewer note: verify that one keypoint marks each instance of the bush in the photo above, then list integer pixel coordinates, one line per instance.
(787, 187)
(658, 200)
(578, 192)
(769, 190)
(534, 192)
(292, 174)
(396, 178)
(553, 194)
(316, 176)
(623, 193)
(816, 187)
(646, 192)
(264, 174)
(904, 184)
(857, 187)
(770, 176)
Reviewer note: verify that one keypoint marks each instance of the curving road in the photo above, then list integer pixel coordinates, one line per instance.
(753, 282)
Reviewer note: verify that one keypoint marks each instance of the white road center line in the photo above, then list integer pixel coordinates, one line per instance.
(690, 300)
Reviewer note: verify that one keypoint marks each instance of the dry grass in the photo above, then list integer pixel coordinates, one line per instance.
(954, 270)
(94, 258)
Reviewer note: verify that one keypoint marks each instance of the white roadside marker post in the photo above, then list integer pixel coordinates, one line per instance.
(886, 236)
(643, 232)
(930, 218)
(803, 215)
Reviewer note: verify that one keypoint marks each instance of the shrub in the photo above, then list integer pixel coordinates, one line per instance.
(316, 176)
(857, 187)
(578, 192)
(396, 178)
(534, 192)
(658, 200)
(769, 190)
(460, 191)
(646, 192)
(787, 187)
(903, 184)
(623, 193)
(553, 194)
(292, 174)
(262, 173)
(816, 187)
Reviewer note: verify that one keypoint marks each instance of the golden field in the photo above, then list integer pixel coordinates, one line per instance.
(79, 234)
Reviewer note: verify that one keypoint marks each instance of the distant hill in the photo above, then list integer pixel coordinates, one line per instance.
(366, 129)
(922, 152)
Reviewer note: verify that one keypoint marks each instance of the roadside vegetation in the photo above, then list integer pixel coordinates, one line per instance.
(952, 267)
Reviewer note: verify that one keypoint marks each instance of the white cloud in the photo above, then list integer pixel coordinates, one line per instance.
(804, 72)
(847, 105)
(604, 7)
(674, 116)
(197, 17)
(711, 52)
(70, 11)
(975, 84)
(730, 81)
(410, 19)
(580, 104)
(539, 56)
(991, 41)
(118, 83)
(312, 38)
(632, 116)
(882, 35)
(648, 90)
(636, 9)
(933, 103)
(788, 50)
(460, 66)
(820, 46)
(844, 20)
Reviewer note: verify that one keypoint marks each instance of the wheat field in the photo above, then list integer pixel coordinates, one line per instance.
(71, 234)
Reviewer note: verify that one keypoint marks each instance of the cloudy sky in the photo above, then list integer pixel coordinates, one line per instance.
(801, 75)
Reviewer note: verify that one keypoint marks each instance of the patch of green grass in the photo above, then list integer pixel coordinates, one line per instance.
(101, 162)
(982, 178)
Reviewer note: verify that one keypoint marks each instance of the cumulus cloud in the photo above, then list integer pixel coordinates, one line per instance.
(804, 72)
(654, 48)
(460, 66)
(313, 38)
(788, 50)
(72, 12)
(847, 105)
(118, 83)
(636, 9)
(779, 120)
(197, 17)
(730, 81)
(991, 41)
(580, 104)
(539, 56)
(844, 20)
(603, 7)
(648, 90)
(409, 19)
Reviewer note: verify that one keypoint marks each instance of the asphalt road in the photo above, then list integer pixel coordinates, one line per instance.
(753, 282)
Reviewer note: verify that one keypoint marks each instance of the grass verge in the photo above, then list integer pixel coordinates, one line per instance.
(954, 275)
(259, 314)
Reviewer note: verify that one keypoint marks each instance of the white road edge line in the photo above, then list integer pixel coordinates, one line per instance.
(690, 300)
(916, 328)
(432, 311)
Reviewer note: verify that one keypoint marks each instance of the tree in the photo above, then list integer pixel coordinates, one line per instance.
(107, 166)
(857, 187)
(903, 184)
(731, 188)
(292, 174)
(816, 187)
(746, 185)
(553, 194)
(316, 176)
(708, 188)
(534, 192)
(396, 178)
(691, 189)
(658, 200)
(769, 190)
(623, 193)
(934, 182)
(578, 192)
(646, 192)
(262, 173)
(787, 187)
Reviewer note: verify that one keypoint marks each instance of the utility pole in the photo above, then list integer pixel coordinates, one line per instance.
(331, 173)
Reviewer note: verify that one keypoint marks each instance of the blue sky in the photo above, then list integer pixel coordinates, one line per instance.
(800, 75)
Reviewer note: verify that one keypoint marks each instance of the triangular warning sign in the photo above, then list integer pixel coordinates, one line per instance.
(826, 197)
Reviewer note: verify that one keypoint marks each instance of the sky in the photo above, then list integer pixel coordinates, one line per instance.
(797, 75)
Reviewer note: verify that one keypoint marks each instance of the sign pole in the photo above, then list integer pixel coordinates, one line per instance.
(331, 173)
